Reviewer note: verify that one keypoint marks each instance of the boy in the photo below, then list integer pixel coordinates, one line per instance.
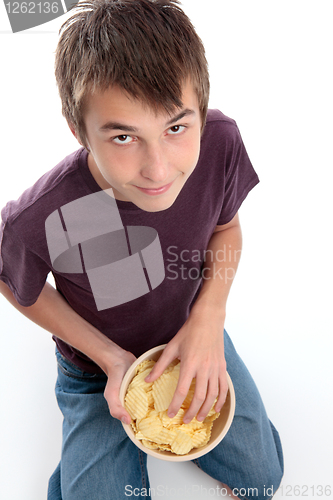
(140, 229)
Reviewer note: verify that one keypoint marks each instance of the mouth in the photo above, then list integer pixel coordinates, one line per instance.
(156, 191)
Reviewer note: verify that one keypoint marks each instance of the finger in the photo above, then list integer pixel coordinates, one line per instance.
(212, 393)
(111, 395)
(163, 362)
(223, 391)
(200, 395)
(180, 394)
(118, 411)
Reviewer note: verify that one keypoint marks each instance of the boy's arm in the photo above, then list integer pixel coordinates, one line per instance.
(199, 343)
(53, 313)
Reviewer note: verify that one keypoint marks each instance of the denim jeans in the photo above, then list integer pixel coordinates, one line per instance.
(98, 459)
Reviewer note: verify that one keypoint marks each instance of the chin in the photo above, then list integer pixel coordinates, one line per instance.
(156, 205)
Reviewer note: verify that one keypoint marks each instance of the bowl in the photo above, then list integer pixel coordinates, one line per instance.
(220, 425)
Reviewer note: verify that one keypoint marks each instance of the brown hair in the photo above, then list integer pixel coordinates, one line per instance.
(147, 47)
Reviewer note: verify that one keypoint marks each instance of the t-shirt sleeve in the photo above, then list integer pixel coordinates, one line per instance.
(240, 176)
(23, 271)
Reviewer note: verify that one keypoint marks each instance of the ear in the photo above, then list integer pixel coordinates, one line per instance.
(72, 129)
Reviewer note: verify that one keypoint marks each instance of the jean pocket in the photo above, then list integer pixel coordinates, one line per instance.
(71, 370)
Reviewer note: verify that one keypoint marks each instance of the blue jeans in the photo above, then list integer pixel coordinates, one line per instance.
(98, 459)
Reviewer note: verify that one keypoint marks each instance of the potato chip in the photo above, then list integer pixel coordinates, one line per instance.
(150, 444)
(148, 363)
(150, 426)
(199, 437)
(153, 413)
(208, 428)
(133, 425)
(177, 419)
(136, 402)
(182, 443)
(212, 410)
(139, 380)
(140, 436)
(164, 447)
(171, 366)
(166, 436)
(211, 418)
(150, 399)
(164, 388)
(191, 426)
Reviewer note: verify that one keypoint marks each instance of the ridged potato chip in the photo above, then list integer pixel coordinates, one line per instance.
(139, 380)
(212, 411)
(191, 426)
(177, 419)
(150, 426)
(166, 436)
(136, 402)
(200, 437)
(150, 444)
(164, 388)
(164, 447)
(182, 443)
(150, 399)
(148, 363)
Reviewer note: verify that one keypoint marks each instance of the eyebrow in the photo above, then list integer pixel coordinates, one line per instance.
(111, 125)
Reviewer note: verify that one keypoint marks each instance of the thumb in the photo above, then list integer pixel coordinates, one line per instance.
(111, 395)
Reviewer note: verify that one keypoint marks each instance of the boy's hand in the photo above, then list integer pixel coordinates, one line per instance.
(199, 346)
(115, 375)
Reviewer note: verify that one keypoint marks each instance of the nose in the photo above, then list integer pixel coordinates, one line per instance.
(155, 164)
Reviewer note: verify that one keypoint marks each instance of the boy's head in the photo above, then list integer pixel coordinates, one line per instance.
(148, 48)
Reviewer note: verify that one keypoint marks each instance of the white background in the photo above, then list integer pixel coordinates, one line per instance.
(270, 66)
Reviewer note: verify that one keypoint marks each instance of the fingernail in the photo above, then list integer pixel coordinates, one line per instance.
(171, 415)
(200, 418)
(124, 420)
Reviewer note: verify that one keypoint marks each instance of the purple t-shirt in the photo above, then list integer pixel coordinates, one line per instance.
(211, 196)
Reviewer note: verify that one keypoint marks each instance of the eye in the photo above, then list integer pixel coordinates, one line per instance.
(176, 129)
(122, 139)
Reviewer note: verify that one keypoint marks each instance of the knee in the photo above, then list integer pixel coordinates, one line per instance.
(267, 486)
(260, 480)
(268, 472)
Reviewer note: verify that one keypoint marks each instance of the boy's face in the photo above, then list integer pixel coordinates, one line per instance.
(145, 157)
